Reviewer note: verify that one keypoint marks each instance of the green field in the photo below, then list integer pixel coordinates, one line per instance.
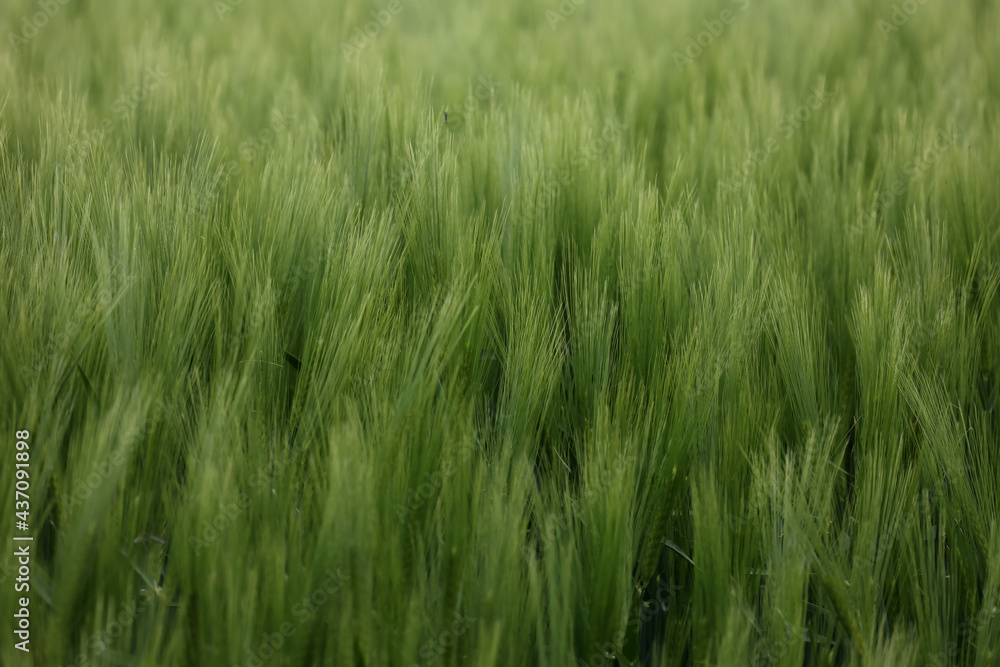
(428, 334)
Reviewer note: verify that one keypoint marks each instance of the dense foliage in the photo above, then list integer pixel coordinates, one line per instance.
(678, 342)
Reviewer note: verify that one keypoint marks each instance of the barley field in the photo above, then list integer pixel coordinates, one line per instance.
(414, 333)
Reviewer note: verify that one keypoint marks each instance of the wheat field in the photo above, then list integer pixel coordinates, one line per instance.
(420, 333)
